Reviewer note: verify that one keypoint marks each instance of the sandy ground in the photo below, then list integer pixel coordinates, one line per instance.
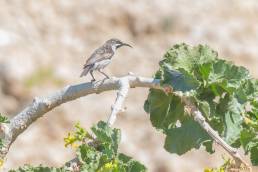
(43, 45)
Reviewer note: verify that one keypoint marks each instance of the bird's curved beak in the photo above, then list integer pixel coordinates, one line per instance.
(125, 44)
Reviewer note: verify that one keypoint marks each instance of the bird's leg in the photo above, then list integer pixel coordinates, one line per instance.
(103, 73)
(91, 73)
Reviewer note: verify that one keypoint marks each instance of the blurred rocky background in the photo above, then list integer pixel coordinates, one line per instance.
(43, 45)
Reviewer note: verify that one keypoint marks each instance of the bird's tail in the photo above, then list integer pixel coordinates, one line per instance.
(85, 71)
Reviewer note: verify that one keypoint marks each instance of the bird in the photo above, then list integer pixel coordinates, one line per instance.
(101, 57)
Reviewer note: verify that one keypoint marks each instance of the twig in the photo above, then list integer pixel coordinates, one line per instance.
(198, 117)
(121, 94)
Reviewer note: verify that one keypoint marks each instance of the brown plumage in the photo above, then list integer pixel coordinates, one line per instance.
(101, 57)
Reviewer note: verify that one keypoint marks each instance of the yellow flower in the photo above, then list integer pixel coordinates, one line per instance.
(108, 167)
(247, 120)
(208, 170)
(1, 162)
(70, 140)
(74, 145)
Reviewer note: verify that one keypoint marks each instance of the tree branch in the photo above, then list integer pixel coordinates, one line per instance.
(198, 117)
(41, 106)
(117, 107)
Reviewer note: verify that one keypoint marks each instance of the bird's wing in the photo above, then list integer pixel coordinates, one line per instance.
(98, 55)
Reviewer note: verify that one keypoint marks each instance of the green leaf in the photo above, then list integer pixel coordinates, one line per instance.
(186, 57)
(254, 155)
(230, 71)
(164, 109)
(109, 137)
(249, 141)
(131, 165)
(87, 154)
(157, 105)
(203, 72)
(247, 91)
(3, 119)
(233, 121)
(180, 80)
(224, 75)
(104, 133)
(189, 135)
(81, 133)
(246, 139)
(204, 107)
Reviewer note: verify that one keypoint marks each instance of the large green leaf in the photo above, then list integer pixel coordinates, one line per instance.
(227, 76)
(186, 57)
(233, 121)
(164, 109)
(189, 135)
(180, 80)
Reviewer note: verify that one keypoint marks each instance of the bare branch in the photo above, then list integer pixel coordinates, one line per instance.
(198, 117)
(117, 107)
(40, 106)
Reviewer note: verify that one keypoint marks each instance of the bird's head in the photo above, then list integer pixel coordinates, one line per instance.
(116, 43)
